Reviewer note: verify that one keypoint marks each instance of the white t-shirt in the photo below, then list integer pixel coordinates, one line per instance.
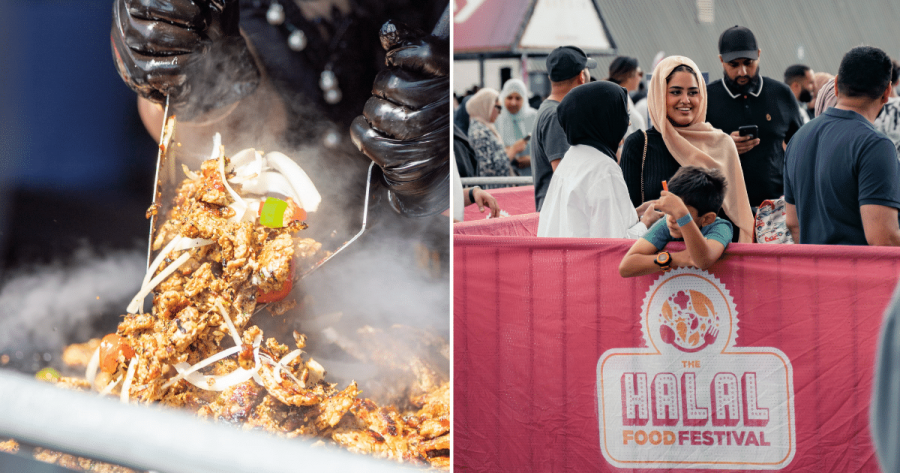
(588, 198)
(803, 115)
(456, 192)
(641, 108)
(635, 121)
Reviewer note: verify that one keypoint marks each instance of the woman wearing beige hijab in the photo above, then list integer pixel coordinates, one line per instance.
(819, 81)
(680, 137)
(483, 109)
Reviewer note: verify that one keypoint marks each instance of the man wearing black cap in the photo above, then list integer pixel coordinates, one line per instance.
(744, 98)
(568, 68)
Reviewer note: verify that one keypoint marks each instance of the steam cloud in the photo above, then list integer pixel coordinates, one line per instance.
(46, 307)
(376, 282)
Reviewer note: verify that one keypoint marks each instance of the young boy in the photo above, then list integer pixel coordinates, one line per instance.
(694, 197)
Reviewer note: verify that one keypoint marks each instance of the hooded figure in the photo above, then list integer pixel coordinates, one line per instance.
(515, 126)
(587, 197)
(699, 144)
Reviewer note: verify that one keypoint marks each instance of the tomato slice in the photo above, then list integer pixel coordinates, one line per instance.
(299, 213)
(266, 297)
(110, 347)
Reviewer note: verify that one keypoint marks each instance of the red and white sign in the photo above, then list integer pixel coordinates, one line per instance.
(776, 374)
(692, 398)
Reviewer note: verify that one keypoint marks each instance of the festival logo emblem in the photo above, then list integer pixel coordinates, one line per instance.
(692, 398)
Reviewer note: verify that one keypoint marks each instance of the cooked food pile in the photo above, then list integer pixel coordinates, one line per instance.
(221, 257)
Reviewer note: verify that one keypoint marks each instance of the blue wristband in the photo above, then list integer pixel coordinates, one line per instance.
(684, 220)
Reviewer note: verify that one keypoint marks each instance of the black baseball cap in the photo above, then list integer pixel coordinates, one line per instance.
(738, 42)
(565, 62)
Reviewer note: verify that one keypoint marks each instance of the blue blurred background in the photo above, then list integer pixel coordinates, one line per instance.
(76, 164)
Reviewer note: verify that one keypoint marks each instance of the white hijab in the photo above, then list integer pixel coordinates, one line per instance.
(515, 126)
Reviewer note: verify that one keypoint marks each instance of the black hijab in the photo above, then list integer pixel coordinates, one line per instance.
(595, 114)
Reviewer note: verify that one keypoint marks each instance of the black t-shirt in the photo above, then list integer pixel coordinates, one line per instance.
(772, 108)
(466, 162)
(659, 166)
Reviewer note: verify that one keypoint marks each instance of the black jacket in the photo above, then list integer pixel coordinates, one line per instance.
(773, 108)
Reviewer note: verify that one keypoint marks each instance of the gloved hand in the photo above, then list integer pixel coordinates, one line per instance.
(405, 125)
(169, 47)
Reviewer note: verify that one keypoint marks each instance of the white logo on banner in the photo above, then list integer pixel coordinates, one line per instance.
(691, 398)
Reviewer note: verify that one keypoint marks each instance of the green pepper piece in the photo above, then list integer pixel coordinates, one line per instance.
(47, 374)
(272, 214)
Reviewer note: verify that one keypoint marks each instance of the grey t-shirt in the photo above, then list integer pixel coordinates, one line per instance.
(548, 143)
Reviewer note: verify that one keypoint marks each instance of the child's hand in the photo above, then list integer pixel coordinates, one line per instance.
(650, 215)
(643, 207)
(671, 204)
(682, 259)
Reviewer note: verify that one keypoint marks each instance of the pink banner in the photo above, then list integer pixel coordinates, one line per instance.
(512, 201)
(518, 225)
(765, 361)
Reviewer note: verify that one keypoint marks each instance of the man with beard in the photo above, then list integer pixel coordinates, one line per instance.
(800, 79)
(743, 97)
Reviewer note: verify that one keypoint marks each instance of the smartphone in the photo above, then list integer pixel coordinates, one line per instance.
(749, 130)
(528, 137)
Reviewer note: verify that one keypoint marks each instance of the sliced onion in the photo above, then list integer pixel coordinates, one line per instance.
(287, 371)
(238, 206)
(191, 243)
(270, 182)
(91, 372)
(159, 258)
(109, 387)
(283, 363)
(177, 243)
(309, 197)
(316, 371)
(247, 162)
(253, 205)
(243, 158)
(234, 332)
(129, 377)
(243, 179)
(202, 364)
(138, 301)
(190, 174)
(217, 143)
(219, 382)
(215, 383)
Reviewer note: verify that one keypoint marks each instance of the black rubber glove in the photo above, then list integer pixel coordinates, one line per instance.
(405, 125)
(171, 47)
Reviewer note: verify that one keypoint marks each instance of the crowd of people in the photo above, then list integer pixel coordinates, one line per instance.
(677, 159)
(821, 149)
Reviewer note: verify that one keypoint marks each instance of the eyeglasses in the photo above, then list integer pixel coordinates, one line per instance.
(499, 108)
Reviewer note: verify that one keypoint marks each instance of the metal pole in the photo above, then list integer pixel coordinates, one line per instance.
(505, 181)
(481, 70)
(153, 438)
